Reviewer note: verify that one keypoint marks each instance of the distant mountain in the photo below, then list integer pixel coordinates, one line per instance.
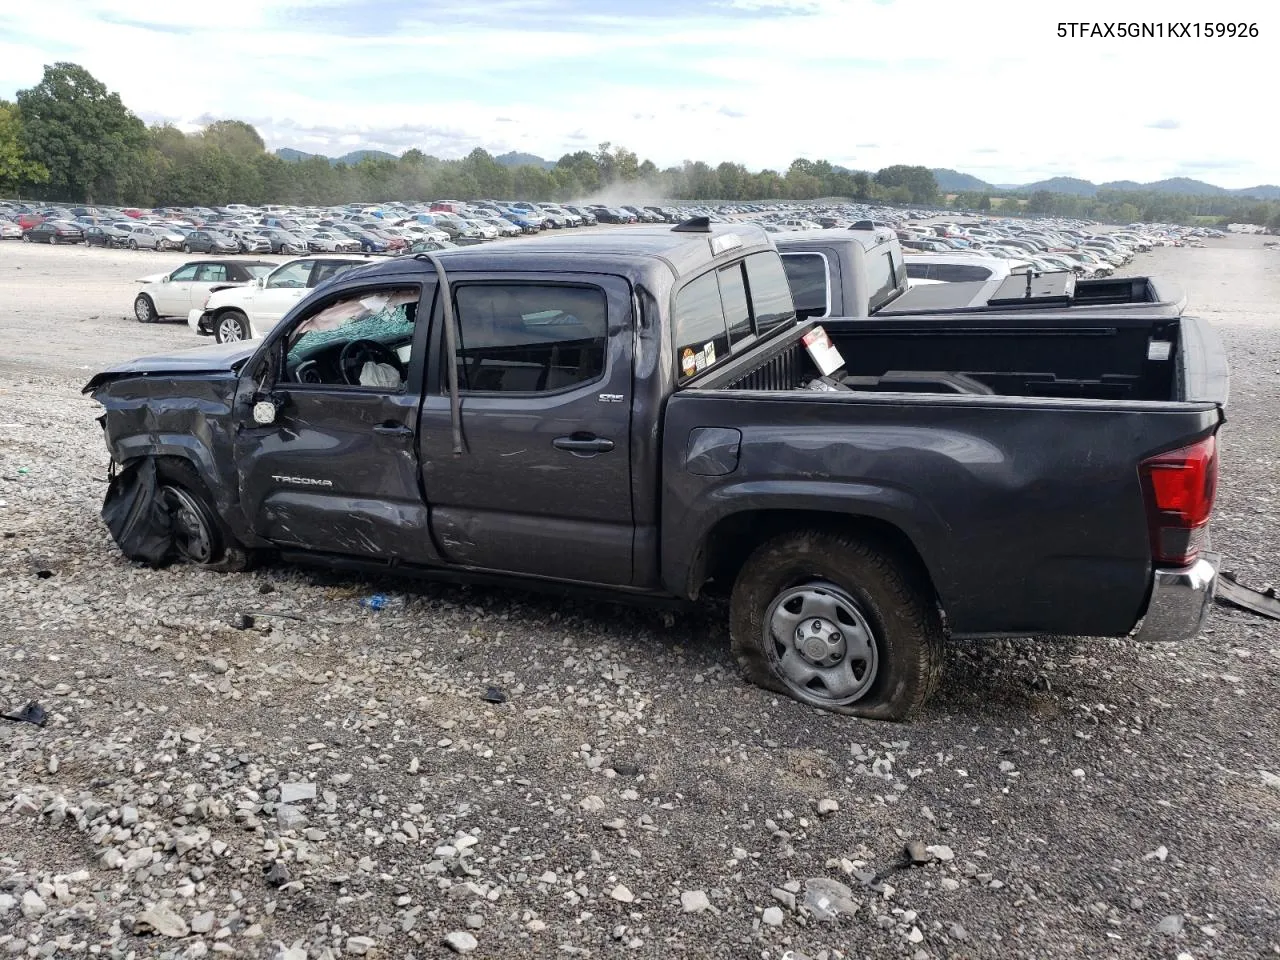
(295, 156)
(1264, 191)
(517, 159)
(1122, 185)
(952, 181)
(1071, 185)
(355, 156)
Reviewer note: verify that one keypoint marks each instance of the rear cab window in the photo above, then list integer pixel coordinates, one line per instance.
(809, 276)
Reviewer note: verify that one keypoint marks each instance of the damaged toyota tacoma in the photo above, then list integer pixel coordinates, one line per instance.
(641, 412)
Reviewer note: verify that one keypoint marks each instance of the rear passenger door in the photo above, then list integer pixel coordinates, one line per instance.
(544, 485)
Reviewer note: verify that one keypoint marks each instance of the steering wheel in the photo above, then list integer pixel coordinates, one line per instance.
(359, 352)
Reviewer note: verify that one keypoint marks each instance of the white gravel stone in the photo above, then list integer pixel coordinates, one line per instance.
(694, 901)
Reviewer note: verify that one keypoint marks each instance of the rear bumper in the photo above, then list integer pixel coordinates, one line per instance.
(1180, 601)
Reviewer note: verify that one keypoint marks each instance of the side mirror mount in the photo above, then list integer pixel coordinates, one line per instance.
(262, 282)
(165, 278)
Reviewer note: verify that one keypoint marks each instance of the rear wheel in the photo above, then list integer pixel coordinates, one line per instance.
(837, 622)
(186, 248)
(231, 326)
(199, 536)
(133, 244)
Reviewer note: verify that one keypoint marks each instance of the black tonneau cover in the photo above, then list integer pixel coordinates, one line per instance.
(1140, 296)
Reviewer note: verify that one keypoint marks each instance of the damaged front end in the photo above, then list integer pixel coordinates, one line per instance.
(168, 424)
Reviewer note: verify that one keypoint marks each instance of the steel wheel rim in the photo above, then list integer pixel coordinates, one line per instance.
(229, 330)
(142, 309)
(820, 644)
(191, 534)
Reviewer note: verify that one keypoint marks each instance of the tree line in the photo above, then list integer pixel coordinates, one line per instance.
(70, 139)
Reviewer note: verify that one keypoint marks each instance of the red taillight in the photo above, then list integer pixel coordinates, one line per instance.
(1179, 487)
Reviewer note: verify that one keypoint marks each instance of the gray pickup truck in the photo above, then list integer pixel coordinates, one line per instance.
(638, 412)
(863, 273)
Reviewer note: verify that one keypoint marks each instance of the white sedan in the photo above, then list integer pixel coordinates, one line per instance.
(175, 293)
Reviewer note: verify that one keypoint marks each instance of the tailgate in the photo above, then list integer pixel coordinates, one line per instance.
(1202, 363)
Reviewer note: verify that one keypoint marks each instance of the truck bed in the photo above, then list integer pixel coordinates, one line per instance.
(1009, 460)
(1049, 355)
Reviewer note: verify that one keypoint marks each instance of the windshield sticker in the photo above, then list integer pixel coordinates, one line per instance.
(709, 351)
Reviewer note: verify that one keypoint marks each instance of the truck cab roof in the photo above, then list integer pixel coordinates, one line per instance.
(630, 252)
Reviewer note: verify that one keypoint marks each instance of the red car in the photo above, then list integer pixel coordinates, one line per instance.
(133, 212)
(28, 220)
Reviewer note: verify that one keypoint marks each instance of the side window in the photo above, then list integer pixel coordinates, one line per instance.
(733, 296)
(960, 272)
(291, 275)
(700, 331)
(184, 273)
(917, 271)
(326, 270)
(770, 293)
(362, 339)
(530, 337)
(212, 272)
(882, 278)
(808, 277)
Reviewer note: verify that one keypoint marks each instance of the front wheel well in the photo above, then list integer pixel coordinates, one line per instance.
(734, 538)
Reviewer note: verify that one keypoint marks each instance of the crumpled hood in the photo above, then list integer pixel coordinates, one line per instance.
(210, 358)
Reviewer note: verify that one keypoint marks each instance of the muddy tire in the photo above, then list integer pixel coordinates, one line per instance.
(200, 536)
(837, 622)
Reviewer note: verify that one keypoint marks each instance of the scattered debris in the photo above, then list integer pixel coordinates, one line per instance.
(242, 621)
(1265, 602)
(828, 899)
(32, 713)
(494, 695)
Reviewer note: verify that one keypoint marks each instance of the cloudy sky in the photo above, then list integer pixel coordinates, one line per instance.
(986, 86)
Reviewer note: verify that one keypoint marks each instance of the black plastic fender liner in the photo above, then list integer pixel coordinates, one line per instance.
(1263, 603)
(135, 513)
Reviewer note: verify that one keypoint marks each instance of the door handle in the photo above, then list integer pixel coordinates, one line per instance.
(583, 443)
(393, 430)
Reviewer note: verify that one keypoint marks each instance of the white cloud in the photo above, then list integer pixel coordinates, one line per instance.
(939, 84)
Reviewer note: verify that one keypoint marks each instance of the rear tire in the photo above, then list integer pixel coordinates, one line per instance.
(133, 244)
(200, 536)
(837, 622)
(53, 239)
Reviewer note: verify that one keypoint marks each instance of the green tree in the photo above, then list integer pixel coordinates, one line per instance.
(920, 183)
(81, 133)
(15, 168)
(235, 137)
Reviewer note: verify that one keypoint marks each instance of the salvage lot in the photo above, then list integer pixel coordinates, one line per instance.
(1083, 798)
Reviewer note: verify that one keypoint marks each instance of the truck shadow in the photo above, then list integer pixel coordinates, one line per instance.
(982, 679)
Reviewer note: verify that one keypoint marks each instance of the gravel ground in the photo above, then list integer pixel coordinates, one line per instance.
(332, 781)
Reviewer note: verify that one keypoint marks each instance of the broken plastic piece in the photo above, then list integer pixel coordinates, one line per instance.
(32, 713)
(135, 513)
(1264, 603)
(382, 601)
(494, 695)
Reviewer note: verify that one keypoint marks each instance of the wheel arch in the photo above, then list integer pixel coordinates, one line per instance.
(725, 548)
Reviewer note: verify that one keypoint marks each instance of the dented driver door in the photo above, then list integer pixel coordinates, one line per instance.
(337, 471)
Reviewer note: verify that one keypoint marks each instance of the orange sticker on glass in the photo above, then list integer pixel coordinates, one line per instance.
(688, 363)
